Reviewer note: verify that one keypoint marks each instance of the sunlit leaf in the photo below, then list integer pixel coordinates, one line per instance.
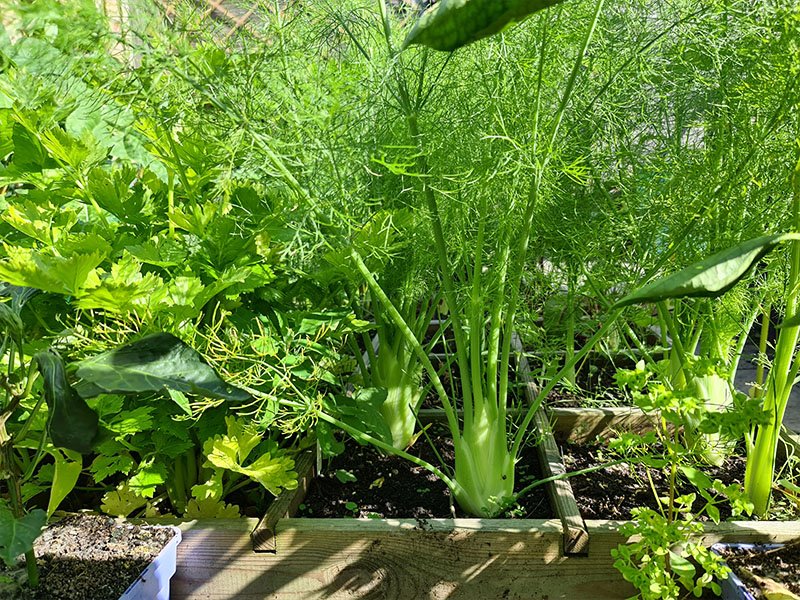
(710, 277)
(210, 509)
(68, 467)
(121, 502)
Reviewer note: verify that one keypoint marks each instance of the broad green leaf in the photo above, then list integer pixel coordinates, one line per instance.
(681, 567)
(72, 424)
(710, 277)
(149, 476)
(68, 467)
(121, 502)
(57, 274)
(210, 509)
(152, 364)
(451, 24)
(17, 535)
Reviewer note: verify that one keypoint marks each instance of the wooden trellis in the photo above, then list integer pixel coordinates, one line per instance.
(231, 16)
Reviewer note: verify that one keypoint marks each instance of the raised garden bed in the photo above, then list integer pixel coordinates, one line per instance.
(283, 556)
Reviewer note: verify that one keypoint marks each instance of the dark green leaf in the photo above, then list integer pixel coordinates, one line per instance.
(711, 277)
(153, 364)
(450, 24)
(17, 535)
(72, 424)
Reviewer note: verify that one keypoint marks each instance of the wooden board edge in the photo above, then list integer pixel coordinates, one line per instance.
(562, 497)
(285, 505)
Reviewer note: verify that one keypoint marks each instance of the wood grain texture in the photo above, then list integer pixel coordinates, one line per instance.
(586, 424)
(562, 498)
(462, 559)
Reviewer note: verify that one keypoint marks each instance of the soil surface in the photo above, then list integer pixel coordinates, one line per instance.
(612, 492)
(91, 558)
(595, 383)
(781, 565)
(363, 483)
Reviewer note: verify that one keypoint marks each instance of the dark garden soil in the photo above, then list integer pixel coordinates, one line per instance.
(781, 565)
(611, 493)
(363, 483)
(91, 558)
(595, 383)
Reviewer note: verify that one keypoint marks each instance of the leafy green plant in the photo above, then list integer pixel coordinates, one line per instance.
(714, 276)
(664, 558)
(55, 422)
(482, 299)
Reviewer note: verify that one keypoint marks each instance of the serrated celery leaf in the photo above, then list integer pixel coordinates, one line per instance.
(57, 274)
(103, 466)
(149, 476)
(274, 473)
(121, 502)
(211, 509)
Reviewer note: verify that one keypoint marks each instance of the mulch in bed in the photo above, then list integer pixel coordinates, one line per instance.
(780, 565)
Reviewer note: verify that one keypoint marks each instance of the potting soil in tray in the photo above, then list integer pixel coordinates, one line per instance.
(91, 558)
(611, 493)
(781, 565)
(364, 483)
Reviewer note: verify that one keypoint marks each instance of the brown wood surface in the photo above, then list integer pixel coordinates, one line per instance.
(283, 506)
(586, 424)
(562, 498)
(405, 559)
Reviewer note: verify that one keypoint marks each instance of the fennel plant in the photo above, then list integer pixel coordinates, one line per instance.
(482, 297)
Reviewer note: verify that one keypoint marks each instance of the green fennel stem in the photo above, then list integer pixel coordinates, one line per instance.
(760, 470)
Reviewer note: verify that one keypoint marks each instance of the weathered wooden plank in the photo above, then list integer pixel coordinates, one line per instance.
(404, 559)
(389, 559)
(283, 506)
(562, 499)
(586, 424)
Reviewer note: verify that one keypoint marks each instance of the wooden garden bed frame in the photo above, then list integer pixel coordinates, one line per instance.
(285, 558)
